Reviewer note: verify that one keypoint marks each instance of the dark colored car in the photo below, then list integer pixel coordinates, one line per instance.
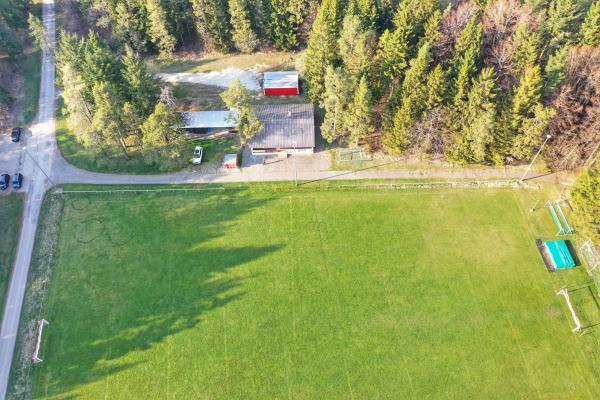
(4, 181)
(16, 134)
(17, 180)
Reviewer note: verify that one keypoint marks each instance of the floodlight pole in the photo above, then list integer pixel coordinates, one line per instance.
(548, 137)
(295, 165)
(38, 165)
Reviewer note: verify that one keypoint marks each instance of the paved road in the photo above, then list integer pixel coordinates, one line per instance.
(42, 150)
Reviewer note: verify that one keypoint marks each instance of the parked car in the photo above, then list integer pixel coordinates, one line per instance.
(17, 180)
(197, 159)
(4, 181)
(16, 134)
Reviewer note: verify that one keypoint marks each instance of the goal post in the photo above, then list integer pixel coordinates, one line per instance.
(38, 343)
(565, 293)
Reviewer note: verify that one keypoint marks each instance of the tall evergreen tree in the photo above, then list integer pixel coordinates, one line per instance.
(562, 22)
(413, 104)
(466, 70)
(142, 89)
(436, 88)
(286, 17)
(107, 122)
(163, 144)
(159, 29)
(213, 23)
(586, 203)
(366, 11)
(354, 48)
(336, 99)
(555, 68)
(527, 95)
(526, 48)
(320, 52)
(360, 115)
(590, 28)
(244, 37)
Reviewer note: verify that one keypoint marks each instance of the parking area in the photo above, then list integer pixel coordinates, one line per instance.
(11, 155)
(319, 161)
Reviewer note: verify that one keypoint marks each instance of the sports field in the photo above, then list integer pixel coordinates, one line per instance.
(310, 294)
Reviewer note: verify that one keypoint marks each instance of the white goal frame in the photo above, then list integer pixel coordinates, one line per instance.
(36, 353)
(563, 291)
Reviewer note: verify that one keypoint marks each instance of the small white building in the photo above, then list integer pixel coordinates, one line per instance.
(207, 122)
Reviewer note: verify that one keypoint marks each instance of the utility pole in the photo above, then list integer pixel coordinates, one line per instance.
(548, 137)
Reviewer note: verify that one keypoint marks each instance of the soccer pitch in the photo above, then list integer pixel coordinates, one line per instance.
(308, 294)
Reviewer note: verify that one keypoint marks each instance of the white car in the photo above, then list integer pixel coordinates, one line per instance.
(197, 159)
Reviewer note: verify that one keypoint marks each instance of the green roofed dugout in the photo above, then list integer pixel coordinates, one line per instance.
(561, 256)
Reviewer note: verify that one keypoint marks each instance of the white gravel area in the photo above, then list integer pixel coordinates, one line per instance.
(250, 78)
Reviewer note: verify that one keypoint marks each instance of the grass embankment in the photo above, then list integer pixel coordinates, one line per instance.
(272, 293)
(11, 210)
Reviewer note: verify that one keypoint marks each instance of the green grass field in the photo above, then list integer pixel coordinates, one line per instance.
(11, 209)
(275, 293)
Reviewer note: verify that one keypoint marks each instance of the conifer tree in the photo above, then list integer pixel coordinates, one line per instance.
(353, 46)
(590, 28)
(555, 69)
(436, 88)
(213, 23)
(286, 17)
(562, 22)
(158, 28)
(586, 202)
(107, 122)
(476, 134)
(527, 95)
(360, 114)
(530, 134)
(142, 89)
(393, 53)
(462, 84)
(320, 52)
(336, 98)
(526, 45)
(243, 35)
(163, 143)
(470, 40)
(366, 11)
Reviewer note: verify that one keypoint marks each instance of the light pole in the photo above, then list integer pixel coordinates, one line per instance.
(295, 165)
(39, 166)
(534, 157)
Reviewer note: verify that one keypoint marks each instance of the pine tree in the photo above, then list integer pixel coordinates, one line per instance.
(366, 11)
(478, 122)
(163, 143)
(320, 52)
(413, 102)
(531, 131)
(586, 203)
(590, 28)
(107, 122)
(432, 27)
(98, 64)
(470, 40)
(286, 17)
(527, 95)
(213, 23)
(336, 98)
(526, 44)
(37, 31)
(392, 56)
(243, 36)
(555, 69)
(436, 88)
(462, 84)
(562, 22)
(360, 115)
(159, 29)
(141, 88)
(353, 46)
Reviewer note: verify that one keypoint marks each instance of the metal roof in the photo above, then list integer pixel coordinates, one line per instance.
(280, 79)
(208, 119)
(285, 126)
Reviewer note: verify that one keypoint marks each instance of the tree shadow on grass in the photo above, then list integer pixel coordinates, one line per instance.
(135, 296)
